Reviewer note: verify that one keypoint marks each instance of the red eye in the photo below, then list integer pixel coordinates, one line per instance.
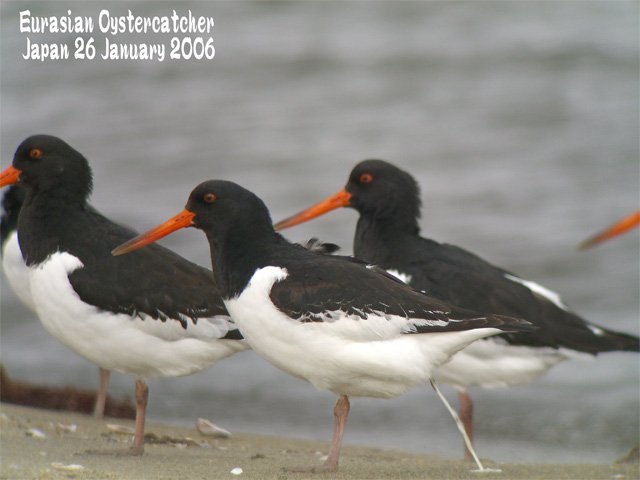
(35, 153)
(366, 177)
(209, 197)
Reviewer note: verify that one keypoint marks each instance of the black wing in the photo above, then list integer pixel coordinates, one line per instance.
(322, 288)
(454, 275)
(153, 280)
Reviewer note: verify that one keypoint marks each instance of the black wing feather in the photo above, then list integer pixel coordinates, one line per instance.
(153, 280)
(347, 285)
(456, 276)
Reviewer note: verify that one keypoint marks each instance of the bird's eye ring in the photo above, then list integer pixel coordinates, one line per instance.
(366, 177)
(209, 197)
(35, 153)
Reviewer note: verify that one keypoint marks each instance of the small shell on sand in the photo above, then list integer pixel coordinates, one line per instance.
(120, 429)
(72, 467)
(62, 428)
(34, 432)
(205, 427)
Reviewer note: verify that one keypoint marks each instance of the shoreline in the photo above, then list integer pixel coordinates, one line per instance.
(183, 452)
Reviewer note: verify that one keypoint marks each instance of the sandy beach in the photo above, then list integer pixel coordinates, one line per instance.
(44, 444)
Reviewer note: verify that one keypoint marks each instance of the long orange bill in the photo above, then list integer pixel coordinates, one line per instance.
(627, 223)
(340, 199)
(9, 175)
(182, 220)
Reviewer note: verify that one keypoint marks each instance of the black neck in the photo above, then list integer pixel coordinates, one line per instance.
(237, 254)
(378, 240)
(46, 224)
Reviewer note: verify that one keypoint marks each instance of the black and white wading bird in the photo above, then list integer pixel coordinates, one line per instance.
(340, 324)
(151, 314)
(388, 236)
(17, 272)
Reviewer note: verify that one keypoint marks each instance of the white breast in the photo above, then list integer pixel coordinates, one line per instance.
(16, 271)
(143, 347)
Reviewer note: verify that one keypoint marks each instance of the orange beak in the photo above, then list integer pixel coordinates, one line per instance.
(182, 220)
(340, 199)
(627, 223)
(9, 176)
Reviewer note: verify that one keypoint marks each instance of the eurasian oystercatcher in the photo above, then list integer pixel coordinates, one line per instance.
(152, 314)
(388, 235)
(620, 227)
(338, 323)
(18, 275)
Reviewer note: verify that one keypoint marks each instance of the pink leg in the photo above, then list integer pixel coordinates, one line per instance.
(341, 411)
(142, 396)
(98, 411)
(137, 447)
(466, 415)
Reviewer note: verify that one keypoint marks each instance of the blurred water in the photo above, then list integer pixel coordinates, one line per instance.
(520, 121)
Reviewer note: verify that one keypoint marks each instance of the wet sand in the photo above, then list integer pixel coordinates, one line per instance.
(184, 453)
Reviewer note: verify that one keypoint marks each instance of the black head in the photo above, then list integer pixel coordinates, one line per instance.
(223, 210)
(238, 227)
(49, 165)
(381, 190)
(220, 207)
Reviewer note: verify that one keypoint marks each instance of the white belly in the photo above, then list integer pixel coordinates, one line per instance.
(143, 347)
(358, 358)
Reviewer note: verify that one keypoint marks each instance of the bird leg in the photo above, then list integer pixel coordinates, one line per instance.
(466, 415)
(101, 399)
(142, 396)
(137, 447)
(340, 411)
(461, 427)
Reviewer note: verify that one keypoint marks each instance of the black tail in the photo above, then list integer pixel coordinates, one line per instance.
(510, 324)
(604, 340)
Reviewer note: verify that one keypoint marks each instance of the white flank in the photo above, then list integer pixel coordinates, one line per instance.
(540, 290)
(16, 271)
(143, 347)
(493, 363)
(347, 355)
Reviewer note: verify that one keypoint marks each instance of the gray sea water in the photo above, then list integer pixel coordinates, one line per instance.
(519, 119)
